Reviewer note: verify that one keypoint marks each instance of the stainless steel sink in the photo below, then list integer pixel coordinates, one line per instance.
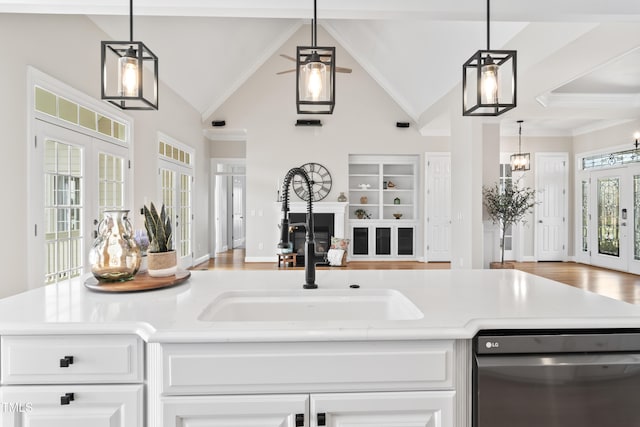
(310, 305)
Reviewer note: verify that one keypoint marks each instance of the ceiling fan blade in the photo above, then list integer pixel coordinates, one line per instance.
(291, 58)
(285, 72)
(343, 70)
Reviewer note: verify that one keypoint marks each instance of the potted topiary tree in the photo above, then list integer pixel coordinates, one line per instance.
(507, 205)
(161, 258)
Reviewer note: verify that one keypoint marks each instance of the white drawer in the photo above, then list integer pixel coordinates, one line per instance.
(305, 367)
(92, 405)
(96, 359)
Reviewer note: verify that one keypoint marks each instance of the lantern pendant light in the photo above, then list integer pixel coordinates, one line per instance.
(489, 81)
(129, 73)
(522, 161)
(315, 75)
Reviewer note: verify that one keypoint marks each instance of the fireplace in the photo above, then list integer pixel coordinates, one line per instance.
(323, 227)
(329, 221)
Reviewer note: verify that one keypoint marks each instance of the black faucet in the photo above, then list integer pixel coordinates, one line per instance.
(310, 256)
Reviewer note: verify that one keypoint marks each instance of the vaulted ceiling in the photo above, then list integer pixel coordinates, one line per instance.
(578, 60)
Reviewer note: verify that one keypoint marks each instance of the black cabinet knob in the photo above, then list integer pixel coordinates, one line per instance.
(322, 419)
(66, 361)
(67, 398)
(299, 420)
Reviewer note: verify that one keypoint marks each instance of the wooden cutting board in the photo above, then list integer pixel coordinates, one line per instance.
(141, 282)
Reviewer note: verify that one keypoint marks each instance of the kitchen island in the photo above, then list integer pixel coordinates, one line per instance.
(166, 350)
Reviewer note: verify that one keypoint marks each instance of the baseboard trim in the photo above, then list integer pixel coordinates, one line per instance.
(529, 259)
(202, 259)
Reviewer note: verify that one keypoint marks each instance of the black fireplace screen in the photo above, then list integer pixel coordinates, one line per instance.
(323, 230)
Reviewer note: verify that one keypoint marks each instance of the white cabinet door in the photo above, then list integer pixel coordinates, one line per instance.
(237, 411)
(71, 406)
(406, 409)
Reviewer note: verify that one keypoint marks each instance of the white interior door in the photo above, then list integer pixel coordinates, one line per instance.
(238, 215)
(551, 211)
(438, 209)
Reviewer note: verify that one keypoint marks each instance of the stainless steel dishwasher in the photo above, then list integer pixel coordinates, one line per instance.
(569, 378)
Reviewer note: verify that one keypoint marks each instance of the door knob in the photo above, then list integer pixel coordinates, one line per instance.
(540, 221)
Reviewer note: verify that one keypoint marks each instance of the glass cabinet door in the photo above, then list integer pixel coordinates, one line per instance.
(405, 241)
(383, 241)
(360, 241)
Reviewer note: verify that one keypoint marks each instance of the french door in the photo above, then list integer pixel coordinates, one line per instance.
(176, 188)
(73, 179)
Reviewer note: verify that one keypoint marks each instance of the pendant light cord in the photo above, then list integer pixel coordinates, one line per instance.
(131, 21)
(314, 28)
(520, 137)
(488, 36)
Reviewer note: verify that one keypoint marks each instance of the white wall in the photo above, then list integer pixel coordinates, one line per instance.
(363, 122)
(68, 49)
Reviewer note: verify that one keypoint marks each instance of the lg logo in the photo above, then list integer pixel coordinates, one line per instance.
(492, 344)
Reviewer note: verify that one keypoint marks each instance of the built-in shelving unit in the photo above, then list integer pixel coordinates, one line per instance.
(385, 188)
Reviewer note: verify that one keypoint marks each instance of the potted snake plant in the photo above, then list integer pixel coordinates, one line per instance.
(161, 257)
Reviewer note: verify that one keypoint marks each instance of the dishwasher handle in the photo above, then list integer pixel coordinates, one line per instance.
(559, 360)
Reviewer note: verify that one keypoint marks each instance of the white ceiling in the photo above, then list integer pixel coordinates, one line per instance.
(577, 67)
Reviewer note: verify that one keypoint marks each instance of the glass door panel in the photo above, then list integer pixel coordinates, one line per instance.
(609, 216)
(63, 210)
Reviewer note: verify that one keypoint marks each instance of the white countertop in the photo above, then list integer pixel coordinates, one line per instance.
(456, 304)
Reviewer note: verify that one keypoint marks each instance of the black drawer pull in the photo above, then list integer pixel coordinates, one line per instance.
(66, 361)
(322, 419)
(299, 420)
(67, 398)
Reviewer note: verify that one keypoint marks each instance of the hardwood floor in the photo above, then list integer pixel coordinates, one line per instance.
(610, 283)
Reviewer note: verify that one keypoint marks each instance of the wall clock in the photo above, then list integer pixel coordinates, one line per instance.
(320, 182)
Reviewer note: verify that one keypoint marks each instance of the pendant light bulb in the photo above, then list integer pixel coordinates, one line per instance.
(489, 82)
(128, 74)
(315, 77)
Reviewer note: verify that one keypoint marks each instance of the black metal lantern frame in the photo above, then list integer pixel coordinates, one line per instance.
(129, 72)
(319, 61)
(315, 75)
(489, 80)
(473, 80)
(147, 75)
(520, 162)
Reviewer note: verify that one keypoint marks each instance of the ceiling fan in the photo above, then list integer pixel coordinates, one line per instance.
(314, 56)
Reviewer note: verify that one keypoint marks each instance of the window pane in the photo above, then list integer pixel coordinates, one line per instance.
(46, 102)
(104, 125)
(87, 118)
(68, 110)
(119, 131)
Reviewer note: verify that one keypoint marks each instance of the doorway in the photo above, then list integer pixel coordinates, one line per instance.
(76, 177)
(610, 218)
(438, 207)
(551, 231)
(229, 198)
